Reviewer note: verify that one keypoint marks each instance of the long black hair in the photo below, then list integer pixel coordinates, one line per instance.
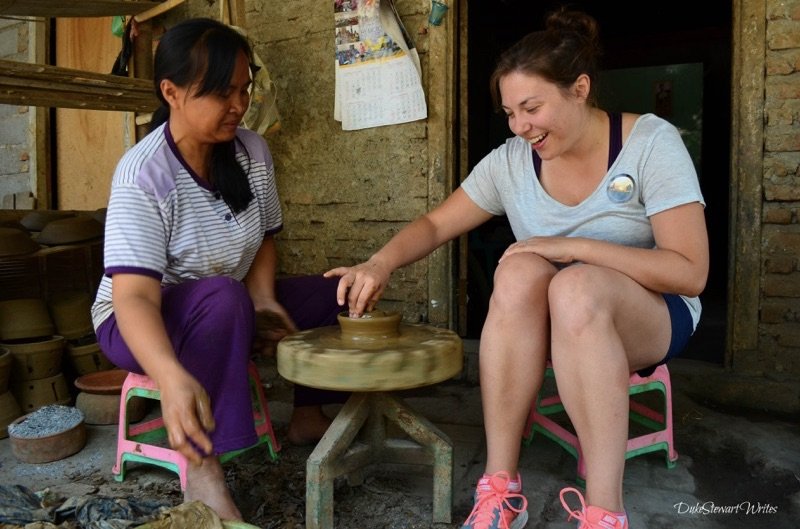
(203, 52)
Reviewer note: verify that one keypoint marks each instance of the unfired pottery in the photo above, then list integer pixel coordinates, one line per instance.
(70, 230)
(9, 410)
(88, 358)
(33, 394)
(14, 242)
(24, 319)
(35, 360)
(72, 316)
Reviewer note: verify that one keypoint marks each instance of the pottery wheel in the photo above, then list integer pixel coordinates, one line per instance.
(413, 356)
(371, 357)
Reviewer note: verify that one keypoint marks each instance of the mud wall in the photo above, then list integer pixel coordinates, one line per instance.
(345, 193)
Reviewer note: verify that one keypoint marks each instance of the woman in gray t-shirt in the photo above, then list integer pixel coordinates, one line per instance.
(603, 280)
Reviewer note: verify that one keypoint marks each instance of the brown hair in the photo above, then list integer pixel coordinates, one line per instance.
(568, 47)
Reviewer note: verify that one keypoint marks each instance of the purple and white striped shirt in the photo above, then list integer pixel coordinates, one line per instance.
(165, 222)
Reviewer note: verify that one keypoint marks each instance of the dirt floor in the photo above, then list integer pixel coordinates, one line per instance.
(726, 459)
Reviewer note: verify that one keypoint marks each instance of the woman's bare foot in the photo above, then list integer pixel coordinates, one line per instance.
(206, 482)
(307, 425)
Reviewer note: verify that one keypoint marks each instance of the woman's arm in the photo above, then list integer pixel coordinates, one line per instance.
(185, 405)
(363, 284)
(678, 264)
(272, 320)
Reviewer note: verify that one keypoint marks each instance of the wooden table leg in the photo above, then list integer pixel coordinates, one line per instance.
(340, 452)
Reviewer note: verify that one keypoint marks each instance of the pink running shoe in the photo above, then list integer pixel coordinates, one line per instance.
(496, 507)
(591, 517)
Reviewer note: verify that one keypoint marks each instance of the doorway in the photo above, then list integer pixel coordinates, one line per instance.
(640, 43)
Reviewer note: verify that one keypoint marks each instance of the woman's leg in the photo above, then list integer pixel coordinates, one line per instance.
(513, 351)
(210, 322)
(604, 326)
(311, 303)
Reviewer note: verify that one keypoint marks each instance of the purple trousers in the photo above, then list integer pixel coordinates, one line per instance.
(211, 323)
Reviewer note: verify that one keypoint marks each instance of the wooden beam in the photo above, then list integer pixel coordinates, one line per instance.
(51, 86)
(74, 8)
(157, 10)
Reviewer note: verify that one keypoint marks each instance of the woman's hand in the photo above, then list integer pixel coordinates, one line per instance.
(273, 323)
(362, 285)
(555, 249)
(186, 410)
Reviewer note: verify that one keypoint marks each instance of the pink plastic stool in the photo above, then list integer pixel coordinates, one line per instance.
(658, 423)
(137, 442)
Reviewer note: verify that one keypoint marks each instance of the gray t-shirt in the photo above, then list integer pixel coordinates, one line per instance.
(652, 173)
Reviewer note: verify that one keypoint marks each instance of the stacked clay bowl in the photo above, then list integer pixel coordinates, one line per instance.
(71, 312)
(16, 242)
(70, 230)
(36, 220)
(27, 331)
(9, 407)
(24, 319)
(99, 397)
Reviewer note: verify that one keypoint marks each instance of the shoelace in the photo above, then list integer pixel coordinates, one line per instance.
(498, 496)
(578, 515)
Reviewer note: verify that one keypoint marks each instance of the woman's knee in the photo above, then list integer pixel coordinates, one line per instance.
(577, 298)
(520, 278)
(224, 298)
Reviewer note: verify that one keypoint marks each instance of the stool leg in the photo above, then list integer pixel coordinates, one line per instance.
(427, 434)
(261, 412)
(122, 433)
(323, 463)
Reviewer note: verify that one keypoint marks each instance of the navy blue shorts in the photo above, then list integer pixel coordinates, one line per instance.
(682, 329)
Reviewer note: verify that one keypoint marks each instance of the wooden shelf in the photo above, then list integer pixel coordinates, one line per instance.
(75, 8)
(51, 86)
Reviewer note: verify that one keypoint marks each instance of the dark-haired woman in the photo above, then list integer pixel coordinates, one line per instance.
(190, 258)
(610, 257)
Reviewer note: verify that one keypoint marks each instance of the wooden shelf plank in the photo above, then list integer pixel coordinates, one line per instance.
(75, 8)
(51, 86)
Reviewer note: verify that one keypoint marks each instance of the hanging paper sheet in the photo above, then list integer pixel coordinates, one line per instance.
(378, 75)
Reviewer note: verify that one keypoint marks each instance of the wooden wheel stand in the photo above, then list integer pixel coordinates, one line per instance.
(371, 357)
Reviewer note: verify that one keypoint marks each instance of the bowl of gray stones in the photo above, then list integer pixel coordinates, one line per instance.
(48, 434)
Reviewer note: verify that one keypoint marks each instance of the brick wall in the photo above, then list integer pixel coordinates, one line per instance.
(16, 126)
(779, 326)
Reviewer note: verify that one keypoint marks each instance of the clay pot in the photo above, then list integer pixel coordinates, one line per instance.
(33, 394)
(14, 242)
(72, 314)
(372, 326)
(35, 360)
(70, 230)
(38, 219)
(48, 448)
(88, 358)
(6, 360)
(9, 410)
(99, 398)
(24, 319)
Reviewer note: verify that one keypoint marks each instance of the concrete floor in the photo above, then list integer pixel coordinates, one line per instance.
(734, 470)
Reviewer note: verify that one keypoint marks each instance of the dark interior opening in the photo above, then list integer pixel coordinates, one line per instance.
(642, 37)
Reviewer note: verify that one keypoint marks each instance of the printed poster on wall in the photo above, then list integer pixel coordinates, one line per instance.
(378, 74)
